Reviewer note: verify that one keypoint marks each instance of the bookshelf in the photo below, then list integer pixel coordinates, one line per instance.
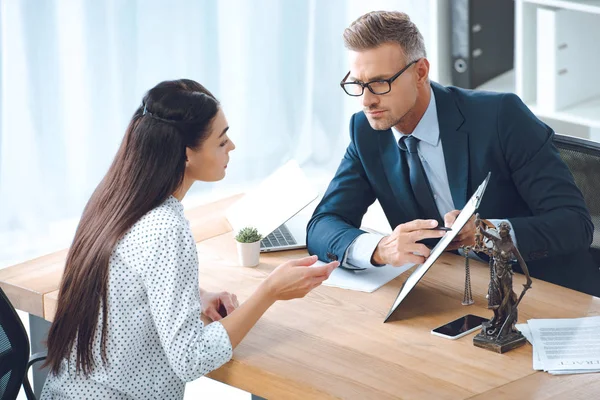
(556, 64)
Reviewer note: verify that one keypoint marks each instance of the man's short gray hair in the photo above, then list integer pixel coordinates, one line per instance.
(378, 27)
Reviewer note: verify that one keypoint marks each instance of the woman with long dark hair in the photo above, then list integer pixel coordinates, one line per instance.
(128, 321)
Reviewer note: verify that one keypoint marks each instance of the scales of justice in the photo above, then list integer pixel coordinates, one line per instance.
(498, 334)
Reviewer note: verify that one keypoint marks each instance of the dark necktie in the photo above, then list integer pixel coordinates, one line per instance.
(418, 179)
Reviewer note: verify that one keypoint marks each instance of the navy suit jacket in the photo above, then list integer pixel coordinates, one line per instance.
(481, 132)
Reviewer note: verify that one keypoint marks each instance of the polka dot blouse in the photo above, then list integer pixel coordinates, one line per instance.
(156, 340)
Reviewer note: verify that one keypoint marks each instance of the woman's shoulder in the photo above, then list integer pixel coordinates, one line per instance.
(161, 220)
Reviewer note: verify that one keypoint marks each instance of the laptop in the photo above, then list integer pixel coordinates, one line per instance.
(277, 208)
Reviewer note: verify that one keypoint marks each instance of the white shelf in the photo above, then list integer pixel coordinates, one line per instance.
(580, 119)
(589, 6)
(574, 48)
(502, 83)
(586, 113)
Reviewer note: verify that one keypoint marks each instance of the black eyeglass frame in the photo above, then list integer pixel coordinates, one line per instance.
(389, 81)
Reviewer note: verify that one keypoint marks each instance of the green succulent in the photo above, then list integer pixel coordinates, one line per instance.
(248, 235)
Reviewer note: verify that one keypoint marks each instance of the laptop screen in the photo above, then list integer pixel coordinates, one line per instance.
(274, 201)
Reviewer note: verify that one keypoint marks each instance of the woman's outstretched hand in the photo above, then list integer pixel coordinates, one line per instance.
(290, 280)
(295, 278)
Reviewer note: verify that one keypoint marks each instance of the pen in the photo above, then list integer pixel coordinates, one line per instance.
(441, 228)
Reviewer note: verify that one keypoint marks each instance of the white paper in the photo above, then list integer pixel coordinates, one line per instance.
(567, 344)
(367, 280)
(573, 371)
(537, 363)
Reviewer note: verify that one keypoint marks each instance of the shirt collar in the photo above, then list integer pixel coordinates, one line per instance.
(428, 128)
(174, 203)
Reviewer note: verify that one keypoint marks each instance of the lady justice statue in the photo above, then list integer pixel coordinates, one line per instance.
(500, 334)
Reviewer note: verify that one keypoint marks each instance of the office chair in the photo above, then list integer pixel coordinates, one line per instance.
(14, 353)
(583, 159)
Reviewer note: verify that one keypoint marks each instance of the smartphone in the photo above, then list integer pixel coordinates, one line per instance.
(459, 327)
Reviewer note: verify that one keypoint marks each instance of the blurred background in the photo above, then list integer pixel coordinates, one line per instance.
(72, 72)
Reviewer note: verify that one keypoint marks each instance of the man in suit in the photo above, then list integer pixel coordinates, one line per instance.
(422, 149)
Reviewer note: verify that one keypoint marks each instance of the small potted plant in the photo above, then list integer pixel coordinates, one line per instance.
(248, 245)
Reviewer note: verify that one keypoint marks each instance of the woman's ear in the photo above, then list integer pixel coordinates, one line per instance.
(187, 154)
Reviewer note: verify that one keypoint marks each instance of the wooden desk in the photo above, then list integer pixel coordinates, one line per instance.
(333, 344)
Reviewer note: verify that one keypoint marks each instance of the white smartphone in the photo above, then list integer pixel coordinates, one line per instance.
(459, 327)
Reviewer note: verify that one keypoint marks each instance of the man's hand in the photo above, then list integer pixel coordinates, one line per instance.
(401, 248)
(213, 302)
(466, 236)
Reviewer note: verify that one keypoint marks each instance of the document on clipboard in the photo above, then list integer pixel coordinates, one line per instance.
(439, 248)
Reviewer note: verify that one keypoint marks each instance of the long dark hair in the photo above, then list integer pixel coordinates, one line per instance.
(149, 166)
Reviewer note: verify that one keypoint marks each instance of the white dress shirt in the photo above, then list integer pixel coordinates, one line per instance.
(156, 340)
(431, 153)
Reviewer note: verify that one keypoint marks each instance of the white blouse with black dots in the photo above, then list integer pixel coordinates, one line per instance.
(156, 340)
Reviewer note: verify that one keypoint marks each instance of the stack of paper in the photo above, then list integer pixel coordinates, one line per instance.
(564, 346)
(367, 280)
(370, 279)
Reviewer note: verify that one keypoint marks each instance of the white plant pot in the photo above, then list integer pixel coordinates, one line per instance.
(249, 254)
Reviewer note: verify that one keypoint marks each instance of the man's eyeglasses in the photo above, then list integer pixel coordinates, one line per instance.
(379, 86)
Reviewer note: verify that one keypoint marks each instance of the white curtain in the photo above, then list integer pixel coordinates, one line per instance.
(73, 72)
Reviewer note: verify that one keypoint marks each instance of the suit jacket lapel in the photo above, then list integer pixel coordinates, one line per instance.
(396, 172)
(455, 143)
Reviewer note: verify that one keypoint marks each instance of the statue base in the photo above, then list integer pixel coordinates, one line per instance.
(500, 345)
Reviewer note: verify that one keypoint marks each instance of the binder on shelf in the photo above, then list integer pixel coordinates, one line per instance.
(483, 33)
(567, 63)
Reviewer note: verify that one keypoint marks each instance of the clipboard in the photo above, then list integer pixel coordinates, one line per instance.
(439, 248)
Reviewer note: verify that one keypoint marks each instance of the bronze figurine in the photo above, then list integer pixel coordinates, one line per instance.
(500, 334)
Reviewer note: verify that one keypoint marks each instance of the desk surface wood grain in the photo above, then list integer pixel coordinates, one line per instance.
(334, 344)
(334, 341)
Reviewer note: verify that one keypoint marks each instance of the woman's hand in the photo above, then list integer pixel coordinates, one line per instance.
(216, 305)
(295, 278)
(290, 280)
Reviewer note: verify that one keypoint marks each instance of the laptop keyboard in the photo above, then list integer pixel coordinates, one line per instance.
(278, 238)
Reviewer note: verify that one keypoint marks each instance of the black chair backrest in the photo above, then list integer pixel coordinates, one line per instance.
(14, 350)
(583, 159)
